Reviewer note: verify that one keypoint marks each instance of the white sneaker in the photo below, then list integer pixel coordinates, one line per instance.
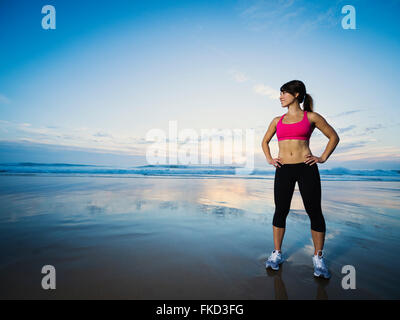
(320, 268)
(274, 260)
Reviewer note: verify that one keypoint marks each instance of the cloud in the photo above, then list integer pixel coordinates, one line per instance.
(342, 130)
(299, 15)
(260, 88)
(346, 113)
(342, 147)
(264, 14)
(25, 150)
(238, 76)
(265, 90)
(370, 130)
(365, 150)
(71, 137)
(326, 18)
(102, 134)
(264, 9)
(383, 153)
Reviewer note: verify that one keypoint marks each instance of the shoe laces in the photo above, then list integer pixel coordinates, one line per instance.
(319, 261)
(274, 255)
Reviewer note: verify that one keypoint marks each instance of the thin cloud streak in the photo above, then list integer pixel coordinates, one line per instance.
(301, 16)
(76, 137)
(238, 76)
(346, 129)
(266, 90)
(346, 113)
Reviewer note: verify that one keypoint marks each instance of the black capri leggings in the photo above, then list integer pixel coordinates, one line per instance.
(309, 182)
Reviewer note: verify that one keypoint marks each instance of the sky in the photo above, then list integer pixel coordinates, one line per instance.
(90, 90)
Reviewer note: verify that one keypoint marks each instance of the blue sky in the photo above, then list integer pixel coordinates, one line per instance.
(90, 90)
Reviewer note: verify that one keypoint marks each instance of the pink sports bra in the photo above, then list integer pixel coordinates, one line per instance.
(299, 130)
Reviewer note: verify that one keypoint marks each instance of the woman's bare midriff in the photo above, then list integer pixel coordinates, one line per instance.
(293, 151)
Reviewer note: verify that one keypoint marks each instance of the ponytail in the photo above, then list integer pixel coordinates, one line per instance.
(308, 103)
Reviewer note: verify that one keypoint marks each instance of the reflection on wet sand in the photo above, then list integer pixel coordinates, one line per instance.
(279, 285)
(280, 288)
(157, 238)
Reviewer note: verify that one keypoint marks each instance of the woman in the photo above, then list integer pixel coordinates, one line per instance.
(295, 162)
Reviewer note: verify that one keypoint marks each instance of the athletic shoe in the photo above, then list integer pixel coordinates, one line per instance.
(320, 269)
(274, 260)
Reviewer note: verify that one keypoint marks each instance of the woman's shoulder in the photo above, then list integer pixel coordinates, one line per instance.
(315, 117)
(312, 115)
(277, 118)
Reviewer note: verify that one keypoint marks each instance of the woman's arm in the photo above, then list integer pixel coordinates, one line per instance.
(328, 131)
(267, 138)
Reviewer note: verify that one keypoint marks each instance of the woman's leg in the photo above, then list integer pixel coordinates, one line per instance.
(318, 240)
(284, 184)
(310, 189)
(278, 237)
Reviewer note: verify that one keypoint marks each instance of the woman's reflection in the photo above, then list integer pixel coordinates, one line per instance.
(280, 289)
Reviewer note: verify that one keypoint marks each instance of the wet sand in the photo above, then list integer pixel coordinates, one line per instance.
(190, 238)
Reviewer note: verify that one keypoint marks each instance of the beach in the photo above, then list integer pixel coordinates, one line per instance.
(190, 237)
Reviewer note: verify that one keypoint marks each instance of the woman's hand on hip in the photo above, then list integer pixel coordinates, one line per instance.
(310, 159)
(276, 162)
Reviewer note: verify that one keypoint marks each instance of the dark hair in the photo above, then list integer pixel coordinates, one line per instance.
(297, 86)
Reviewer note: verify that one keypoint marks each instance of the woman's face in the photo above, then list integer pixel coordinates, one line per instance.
(287, 98)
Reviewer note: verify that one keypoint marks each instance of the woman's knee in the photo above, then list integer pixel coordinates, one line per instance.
(279, 219)
(318, 223)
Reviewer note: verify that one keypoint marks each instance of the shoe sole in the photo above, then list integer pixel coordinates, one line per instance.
(270, 267)
(275, 269)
